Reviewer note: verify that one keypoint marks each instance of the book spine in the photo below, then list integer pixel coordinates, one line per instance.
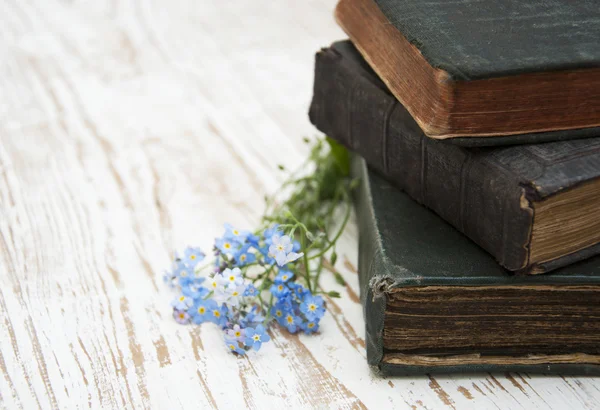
(370, 261)
(480, 199)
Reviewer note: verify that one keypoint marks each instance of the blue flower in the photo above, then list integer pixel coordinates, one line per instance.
(181, 316)
(182, 270)
(269, 232)
(283, 276)
(233, 346)
(227, 246)
(237, 333)
(182, 302)
(218, 314)
(243, 257)
(250, 291)
(256, 337)
(285, 303)
(202, 311)
(192, 256)
(230, 277)
(253, 240)
(296, 246)
(278, 312)
(252, 318)
(310, 327)
(312, 307)
(230, 294)
(268, 258)
(279, 290)
(299, 290)
(281, 248)
(235, 234)
(195, 293)
(290, 321)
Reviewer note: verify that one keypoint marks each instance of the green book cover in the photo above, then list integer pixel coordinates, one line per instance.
(435, 302)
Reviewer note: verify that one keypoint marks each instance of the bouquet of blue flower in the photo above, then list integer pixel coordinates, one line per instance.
(272, 275)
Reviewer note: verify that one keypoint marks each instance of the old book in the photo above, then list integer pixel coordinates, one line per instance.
(434, 302)
(534, 207)
(484, 68)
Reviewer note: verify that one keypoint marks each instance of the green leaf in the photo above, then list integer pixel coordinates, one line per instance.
(339, 279)
(333, 259)
(334, 294)
(310, 236)
(340, 155)
(281, 167)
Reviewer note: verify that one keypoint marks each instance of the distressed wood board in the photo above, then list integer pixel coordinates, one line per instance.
(130, 129)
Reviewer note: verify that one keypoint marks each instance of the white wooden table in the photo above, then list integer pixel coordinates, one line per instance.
(130, 129)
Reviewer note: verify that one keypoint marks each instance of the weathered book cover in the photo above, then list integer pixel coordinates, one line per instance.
(485, 67)
(499, 197)
(434, 302)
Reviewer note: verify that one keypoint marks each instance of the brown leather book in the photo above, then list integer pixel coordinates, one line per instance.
(485, 68)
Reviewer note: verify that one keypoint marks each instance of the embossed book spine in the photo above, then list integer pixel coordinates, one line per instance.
(434, 302)
(486, 193)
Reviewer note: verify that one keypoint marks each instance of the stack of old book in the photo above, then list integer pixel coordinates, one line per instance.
(479, 209)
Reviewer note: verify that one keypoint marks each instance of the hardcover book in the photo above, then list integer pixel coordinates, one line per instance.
(533, 207)
(484, 68)
(434, 302)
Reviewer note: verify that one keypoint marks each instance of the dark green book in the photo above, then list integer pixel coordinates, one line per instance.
(434, 302)
(534, 207)
(484, 68)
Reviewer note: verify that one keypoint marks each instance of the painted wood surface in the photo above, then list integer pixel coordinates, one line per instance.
(130, 129)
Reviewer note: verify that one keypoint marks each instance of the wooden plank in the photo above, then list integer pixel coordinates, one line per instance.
(130, 129)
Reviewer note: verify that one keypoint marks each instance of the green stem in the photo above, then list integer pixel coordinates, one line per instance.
(306, 268)
(338, 234)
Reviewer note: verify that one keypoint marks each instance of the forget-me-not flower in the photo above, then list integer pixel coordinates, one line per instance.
(192, 256)
(235, 234)
(256, 337)
(281, 249)
(237, 333)
(202, 311)
(312, 307)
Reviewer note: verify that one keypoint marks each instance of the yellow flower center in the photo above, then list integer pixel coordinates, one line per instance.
(181, 299)
(290, 319)
(236, 232)
(243, 258)
(278, 313)
(232, 347)
(232, 278)
(280, 287)
(284, 277)
(182, 316)
(238, 333)
(201, 310)
(256, 338)
(311, 325)
(312, 307)
(235, 293)
(192, 257)
(184, 274)
(214, 284)
(217, 313)
(279, 247)
(227, 245)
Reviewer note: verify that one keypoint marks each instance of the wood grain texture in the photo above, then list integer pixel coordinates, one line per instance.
(130, 129)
